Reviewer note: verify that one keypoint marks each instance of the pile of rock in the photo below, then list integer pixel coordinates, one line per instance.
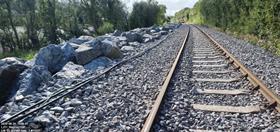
(71, 59)
(10, 69)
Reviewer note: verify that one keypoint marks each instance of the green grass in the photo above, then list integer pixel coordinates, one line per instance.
(24, 54)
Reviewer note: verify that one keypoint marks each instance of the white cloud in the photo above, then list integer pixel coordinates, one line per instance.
(172, 5)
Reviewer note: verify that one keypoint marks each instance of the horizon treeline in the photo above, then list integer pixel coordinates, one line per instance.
(259, 18)
(31, 24)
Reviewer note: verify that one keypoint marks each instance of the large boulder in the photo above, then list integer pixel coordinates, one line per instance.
(100, 62)
(110, 49)
(88, 51)
(81, 39)
(69, 51)
(10, 61)
(71, 70)
(52, 57)
(84, 54)
(32, 78)
(112, 52)
(131, 37)
(8, 78)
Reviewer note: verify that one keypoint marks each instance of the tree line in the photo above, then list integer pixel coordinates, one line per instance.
(31, 24)
(260, 18)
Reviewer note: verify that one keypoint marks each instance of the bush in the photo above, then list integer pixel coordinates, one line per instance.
(105, 28)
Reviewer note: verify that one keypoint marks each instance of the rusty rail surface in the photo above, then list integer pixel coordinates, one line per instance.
(269, 94)
(152, 115)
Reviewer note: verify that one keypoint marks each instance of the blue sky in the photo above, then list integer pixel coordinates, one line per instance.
(172, 5)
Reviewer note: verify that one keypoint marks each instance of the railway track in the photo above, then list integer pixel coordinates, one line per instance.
(207, 88)
(204, 83)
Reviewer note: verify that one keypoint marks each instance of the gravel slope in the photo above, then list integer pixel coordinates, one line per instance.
(121, 100)
(177, 114)
(265, 65)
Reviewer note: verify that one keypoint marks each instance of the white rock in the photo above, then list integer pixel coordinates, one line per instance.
(73, 102)
(42, 119)
(5, 116)
(57, 109)
(134, 43)
(76, 102)
(86, 38)
(121, 38)
(71, 70)
(19, 97)
(127, 48)
(69, 108)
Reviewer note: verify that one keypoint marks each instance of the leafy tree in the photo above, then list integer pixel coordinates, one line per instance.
(28, 8)
(30, 24)
(146, 14)
(12, 24)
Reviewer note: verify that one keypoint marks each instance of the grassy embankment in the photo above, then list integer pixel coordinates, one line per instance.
(255, 21)
(27, 55)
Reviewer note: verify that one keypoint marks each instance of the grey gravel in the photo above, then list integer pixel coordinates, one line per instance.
(264, 64)
(177, 114)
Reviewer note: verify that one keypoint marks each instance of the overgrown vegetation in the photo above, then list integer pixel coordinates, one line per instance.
(30, 24)
(247, 18)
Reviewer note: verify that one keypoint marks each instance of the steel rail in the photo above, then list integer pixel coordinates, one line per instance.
(269, 94)
(152, 115)
(66, 91)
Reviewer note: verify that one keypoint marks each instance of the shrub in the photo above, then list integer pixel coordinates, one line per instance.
(105, 28)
